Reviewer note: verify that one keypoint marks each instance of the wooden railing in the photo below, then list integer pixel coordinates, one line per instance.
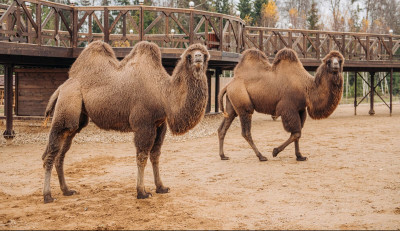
(316, 44)
(50, 24)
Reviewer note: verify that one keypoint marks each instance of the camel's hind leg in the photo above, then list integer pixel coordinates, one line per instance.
(245, 121)
(65, 124)
(155, 158)
(223, 128)
(60, 157)
(56, 141)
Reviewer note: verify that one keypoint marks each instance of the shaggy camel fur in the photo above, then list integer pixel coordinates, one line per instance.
(283, 89)
(134, 95)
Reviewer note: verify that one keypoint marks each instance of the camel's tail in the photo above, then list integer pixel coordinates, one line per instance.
(221, 100)
(50, 106)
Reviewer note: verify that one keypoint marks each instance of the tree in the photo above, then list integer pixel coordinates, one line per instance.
(296, 11)
(244, 6)
(313, 17)
(257, 11)
(294, 17)
(270, 14)
(222, 6)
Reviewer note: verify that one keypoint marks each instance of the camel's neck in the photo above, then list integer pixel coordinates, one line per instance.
(186, 100)
(325, 94)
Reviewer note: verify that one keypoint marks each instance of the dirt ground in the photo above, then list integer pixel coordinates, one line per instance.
(351, 180)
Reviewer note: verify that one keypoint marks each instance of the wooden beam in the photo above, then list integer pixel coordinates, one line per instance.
(8, 90)
(106, 26)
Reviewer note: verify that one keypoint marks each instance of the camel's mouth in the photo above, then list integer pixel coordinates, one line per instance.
(335, 69)
(198, 63)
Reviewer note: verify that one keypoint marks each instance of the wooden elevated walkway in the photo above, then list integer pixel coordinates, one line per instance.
(35, 33)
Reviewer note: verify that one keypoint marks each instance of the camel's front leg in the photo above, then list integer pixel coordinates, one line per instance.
(292, 121)
(144, 140)
(155, 157)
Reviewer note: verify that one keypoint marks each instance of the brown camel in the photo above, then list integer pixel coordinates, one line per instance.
(134, 95)
(283, 89)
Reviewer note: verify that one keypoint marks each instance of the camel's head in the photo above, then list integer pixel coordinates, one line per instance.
(196, 57)
(334, 62)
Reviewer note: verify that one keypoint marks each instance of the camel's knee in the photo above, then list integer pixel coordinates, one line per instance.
(154, 157)
(141, 158)
(296, 136)
(246, 134)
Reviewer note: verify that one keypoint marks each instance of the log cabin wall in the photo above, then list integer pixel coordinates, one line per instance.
(34, 87)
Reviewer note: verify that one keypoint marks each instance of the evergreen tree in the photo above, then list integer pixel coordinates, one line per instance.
(123, 2)
(312, 18)
(257, 11)
(226, 7)
(244, 6)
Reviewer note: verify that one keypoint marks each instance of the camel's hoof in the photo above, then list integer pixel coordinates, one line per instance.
(301, 158)
(69, 193)
(262, 158)
(48, 199)
(275, 152)
(223, 157)
(162, 190)
(144, 196)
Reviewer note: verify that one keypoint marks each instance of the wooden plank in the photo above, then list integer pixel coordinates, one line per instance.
(64, 20)
(106, 26)
(46, 20)
(202, 20)
(191, 28)
(29, 16)
(116, 21)
(98, 22)
(39, 24)
(153, 23)
(179, 24)
(9, 11)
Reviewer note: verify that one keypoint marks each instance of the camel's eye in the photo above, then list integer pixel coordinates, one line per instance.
(205, 58)
(328, 62)
(189, 57)
(340, 61)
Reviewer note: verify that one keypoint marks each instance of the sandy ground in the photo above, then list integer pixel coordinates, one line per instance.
(351, 180)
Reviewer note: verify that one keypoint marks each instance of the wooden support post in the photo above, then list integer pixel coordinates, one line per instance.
(221, 33)
(141, 26)
(39, 23)
(343, 48)
(75, 28)
(191, 28)
(8, 102)
(209, 75)
(371, 109)
(106, 26)
(391, 91)
(261, 40)
(218, 72)
(56, 28)
(367, 48)
(124, 27)
(355, 93)
(317, 44)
